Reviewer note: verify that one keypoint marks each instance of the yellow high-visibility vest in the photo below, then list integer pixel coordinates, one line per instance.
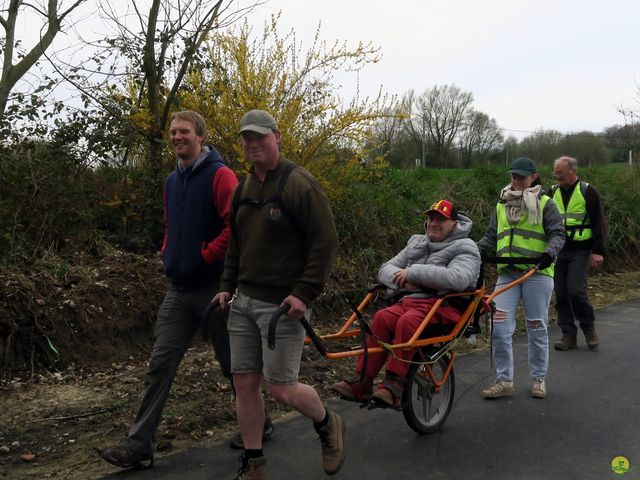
(522, 239)
(576, 220)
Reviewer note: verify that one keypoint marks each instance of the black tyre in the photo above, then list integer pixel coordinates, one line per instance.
(424, 409)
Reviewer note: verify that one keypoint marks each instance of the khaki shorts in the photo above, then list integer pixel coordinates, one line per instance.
(248, 328)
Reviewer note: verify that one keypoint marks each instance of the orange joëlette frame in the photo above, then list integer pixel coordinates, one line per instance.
(479, 297)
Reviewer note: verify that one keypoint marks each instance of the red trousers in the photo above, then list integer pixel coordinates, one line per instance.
(397, 324)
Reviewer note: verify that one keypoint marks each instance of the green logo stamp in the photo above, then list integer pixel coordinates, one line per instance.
(620, 465)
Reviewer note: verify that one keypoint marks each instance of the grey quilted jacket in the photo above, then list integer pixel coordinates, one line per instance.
(450, 265)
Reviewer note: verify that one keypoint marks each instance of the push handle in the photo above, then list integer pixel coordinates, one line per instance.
(273, 323)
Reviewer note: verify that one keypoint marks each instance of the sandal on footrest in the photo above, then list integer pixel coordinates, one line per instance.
(389, 392)
(354, 390)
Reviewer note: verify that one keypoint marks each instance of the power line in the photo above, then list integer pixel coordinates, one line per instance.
(561, 134)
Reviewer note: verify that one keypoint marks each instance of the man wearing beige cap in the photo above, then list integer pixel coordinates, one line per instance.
(282, 246)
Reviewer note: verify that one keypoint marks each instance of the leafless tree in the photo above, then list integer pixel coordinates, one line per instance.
(389, 130)
(542, 146)
(139, 67)
(478, 136)
(631, 114)
(414, 125)
(440, 113)
(51, 14)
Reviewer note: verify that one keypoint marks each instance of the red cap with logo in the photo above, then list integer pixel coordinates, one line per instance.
(444, 208)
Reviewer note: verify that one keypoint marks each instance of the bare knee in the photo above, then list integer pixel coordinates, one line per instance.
(281, 393)
(247, 383)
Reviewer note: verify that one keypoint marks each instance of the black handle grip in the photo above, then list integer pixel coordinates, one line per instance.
(273, 323)
(313, 336)
(374, 287)
(209, 311)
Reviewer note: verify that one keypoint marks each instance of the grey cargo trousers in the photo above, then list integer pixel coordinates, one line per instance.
(179, 318)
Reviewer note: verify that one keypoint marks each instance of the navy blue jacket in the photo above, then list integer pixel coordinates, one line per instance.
(196, 214)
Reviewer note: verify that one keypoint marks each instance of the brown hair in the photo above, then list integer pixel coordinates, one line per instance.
(199, 125)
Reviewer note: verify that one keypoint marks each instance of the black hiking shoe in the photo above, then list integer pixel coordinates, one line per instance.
(566, 343)
(124, 457)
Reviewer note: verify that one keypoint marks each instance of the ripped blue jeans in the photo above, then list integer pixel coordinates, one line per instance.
(535, 293)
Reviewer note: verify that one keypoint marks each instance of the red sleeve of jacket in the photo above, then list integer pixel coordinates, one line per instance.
(224, 182)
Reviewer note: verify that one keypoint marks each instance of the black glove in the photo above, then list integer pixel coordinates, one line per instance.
(544, 261)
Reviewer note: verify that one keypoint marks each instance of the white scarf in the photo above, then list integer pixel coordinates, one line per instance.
(519, 202)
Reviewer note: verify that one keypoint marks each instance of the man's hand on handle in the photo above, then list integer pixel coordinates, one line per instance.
(298, 307)
(221, 301)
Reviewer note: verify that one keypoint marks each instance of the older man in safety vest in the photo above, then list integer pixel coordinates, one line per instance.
(581, 209)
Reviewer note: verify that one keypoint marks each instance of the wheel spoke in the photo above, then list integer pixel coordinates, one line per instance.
(426, 407)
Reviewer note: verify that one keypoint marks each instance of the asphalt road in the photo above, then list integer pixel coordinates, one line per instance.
(592, 415)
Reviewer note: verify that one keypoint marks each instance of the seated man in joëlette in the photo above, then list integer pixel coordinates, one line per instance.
(443, 260)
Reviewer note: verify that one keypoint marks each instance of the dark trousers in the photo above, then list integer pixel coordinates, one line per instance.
(180, 316)
(572, 299)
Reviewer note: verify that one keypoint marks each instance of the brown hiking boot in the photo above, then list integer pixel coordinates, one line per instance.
(124, 457)
(332, 438)
(591, 338)
(566, 343)
(354, 390)
(252, 469)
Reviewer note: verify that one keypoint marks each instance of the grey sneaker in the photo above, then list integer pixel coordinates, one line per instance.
(501, 388)
(124, 457)
(591, 338)
(332, 438)
(566, 343)
(538, 388)
(252, 469)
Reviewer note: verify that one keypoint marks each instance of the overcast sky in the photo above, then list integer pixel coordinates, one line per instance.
(563, 64)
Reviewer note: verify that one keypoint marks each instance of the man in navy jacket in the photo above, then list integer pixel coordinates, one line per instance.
(197, 199)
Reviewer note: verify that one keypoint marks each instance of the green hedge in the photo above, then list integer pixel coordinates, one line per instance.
(54, 203)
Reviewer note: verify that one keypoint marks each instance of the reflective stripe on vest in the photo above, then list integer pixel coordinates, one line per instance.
(522, 239)
(576, 220)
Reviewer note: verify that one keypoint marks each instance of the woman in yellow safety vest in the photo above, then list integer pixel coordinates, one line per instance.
(526, 223)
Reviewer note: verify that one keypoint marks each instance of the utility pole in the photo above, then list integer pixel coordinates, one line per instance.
(423, 146)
